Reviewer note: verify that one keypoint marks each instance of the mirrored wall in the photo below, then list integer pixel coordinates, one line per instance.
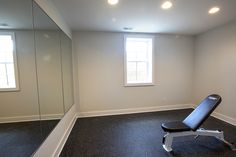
(36, 79)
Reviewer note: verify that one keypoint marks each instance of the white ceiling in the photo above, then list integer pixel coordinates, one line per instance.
(186, 16)
(15, 14)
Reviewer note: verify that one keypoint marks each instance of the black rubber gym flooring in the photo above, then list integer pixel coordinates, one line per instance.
(23, 139)
(140, 135)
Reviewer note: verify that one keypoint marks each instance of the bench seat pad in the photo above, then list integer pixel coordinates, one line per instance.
(177, 126)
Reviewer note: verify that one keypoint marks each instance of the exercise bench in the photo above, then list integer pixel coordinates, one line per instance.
(191, 124)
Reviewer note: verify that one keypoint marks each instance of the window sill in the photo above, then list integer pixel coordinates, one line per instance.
(10, 90)
(139, 84)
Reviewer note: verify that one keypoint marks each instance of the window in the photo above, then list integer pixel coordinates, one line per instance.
(8, 65)
(138, 60)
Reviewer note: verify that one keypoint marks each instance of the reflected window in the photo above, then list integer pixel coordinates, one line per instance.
(8, 65)
(138, 59)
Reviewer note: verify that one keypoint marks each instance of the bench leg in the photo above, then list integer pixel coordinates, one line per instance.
(232, 147)
(167, 142)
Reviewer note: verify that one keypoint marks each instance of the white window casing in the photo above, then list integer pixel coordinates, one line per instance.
(138, 60)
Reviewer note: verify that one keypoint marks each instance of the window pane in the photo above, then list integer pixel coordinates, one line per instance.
(11, 76)
(11, 81)
(3, 78)
(10, 69)
(6, 57)
(6, 43)
(131, 66)
(131, 77)
(131, 56)
(131, 71)
(142, 72)
(142, 55)
(137, 50)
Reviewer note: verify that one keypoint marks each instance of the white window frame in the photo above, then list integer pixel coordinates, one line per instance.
(125, 61)
(17, 88)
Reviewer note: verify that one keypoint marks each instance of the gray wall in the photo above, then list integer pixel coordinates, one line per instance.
(100, 72)
(215, 67)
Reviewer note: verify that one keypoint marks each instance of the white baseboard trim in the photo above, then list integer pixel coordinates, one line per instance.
(224, 118)
(65, 137)
(133, 110)
(29, 118)
(51, 116)
(17, 119)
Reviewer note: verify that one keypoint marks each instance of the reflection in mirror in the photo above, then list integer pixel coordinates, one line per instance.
(66, 53)
(20, 133)
(49, 69)
(36, 85)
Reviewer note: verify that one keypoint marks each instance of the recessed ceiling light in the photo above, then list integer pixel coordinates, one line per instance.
(214, 10)
(128, 28)
(113, 2)
(4, 24)
(113, 19)
(166, 5)
(46, 36)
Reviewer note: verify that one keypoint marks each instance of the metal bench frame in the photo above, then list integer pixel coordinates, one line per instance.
(168, 138)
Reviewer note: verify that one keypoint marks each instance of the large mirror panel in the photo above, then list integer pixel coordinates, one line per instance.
(36, 78)
(66, 53)
(20, 133)
(49, 69)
